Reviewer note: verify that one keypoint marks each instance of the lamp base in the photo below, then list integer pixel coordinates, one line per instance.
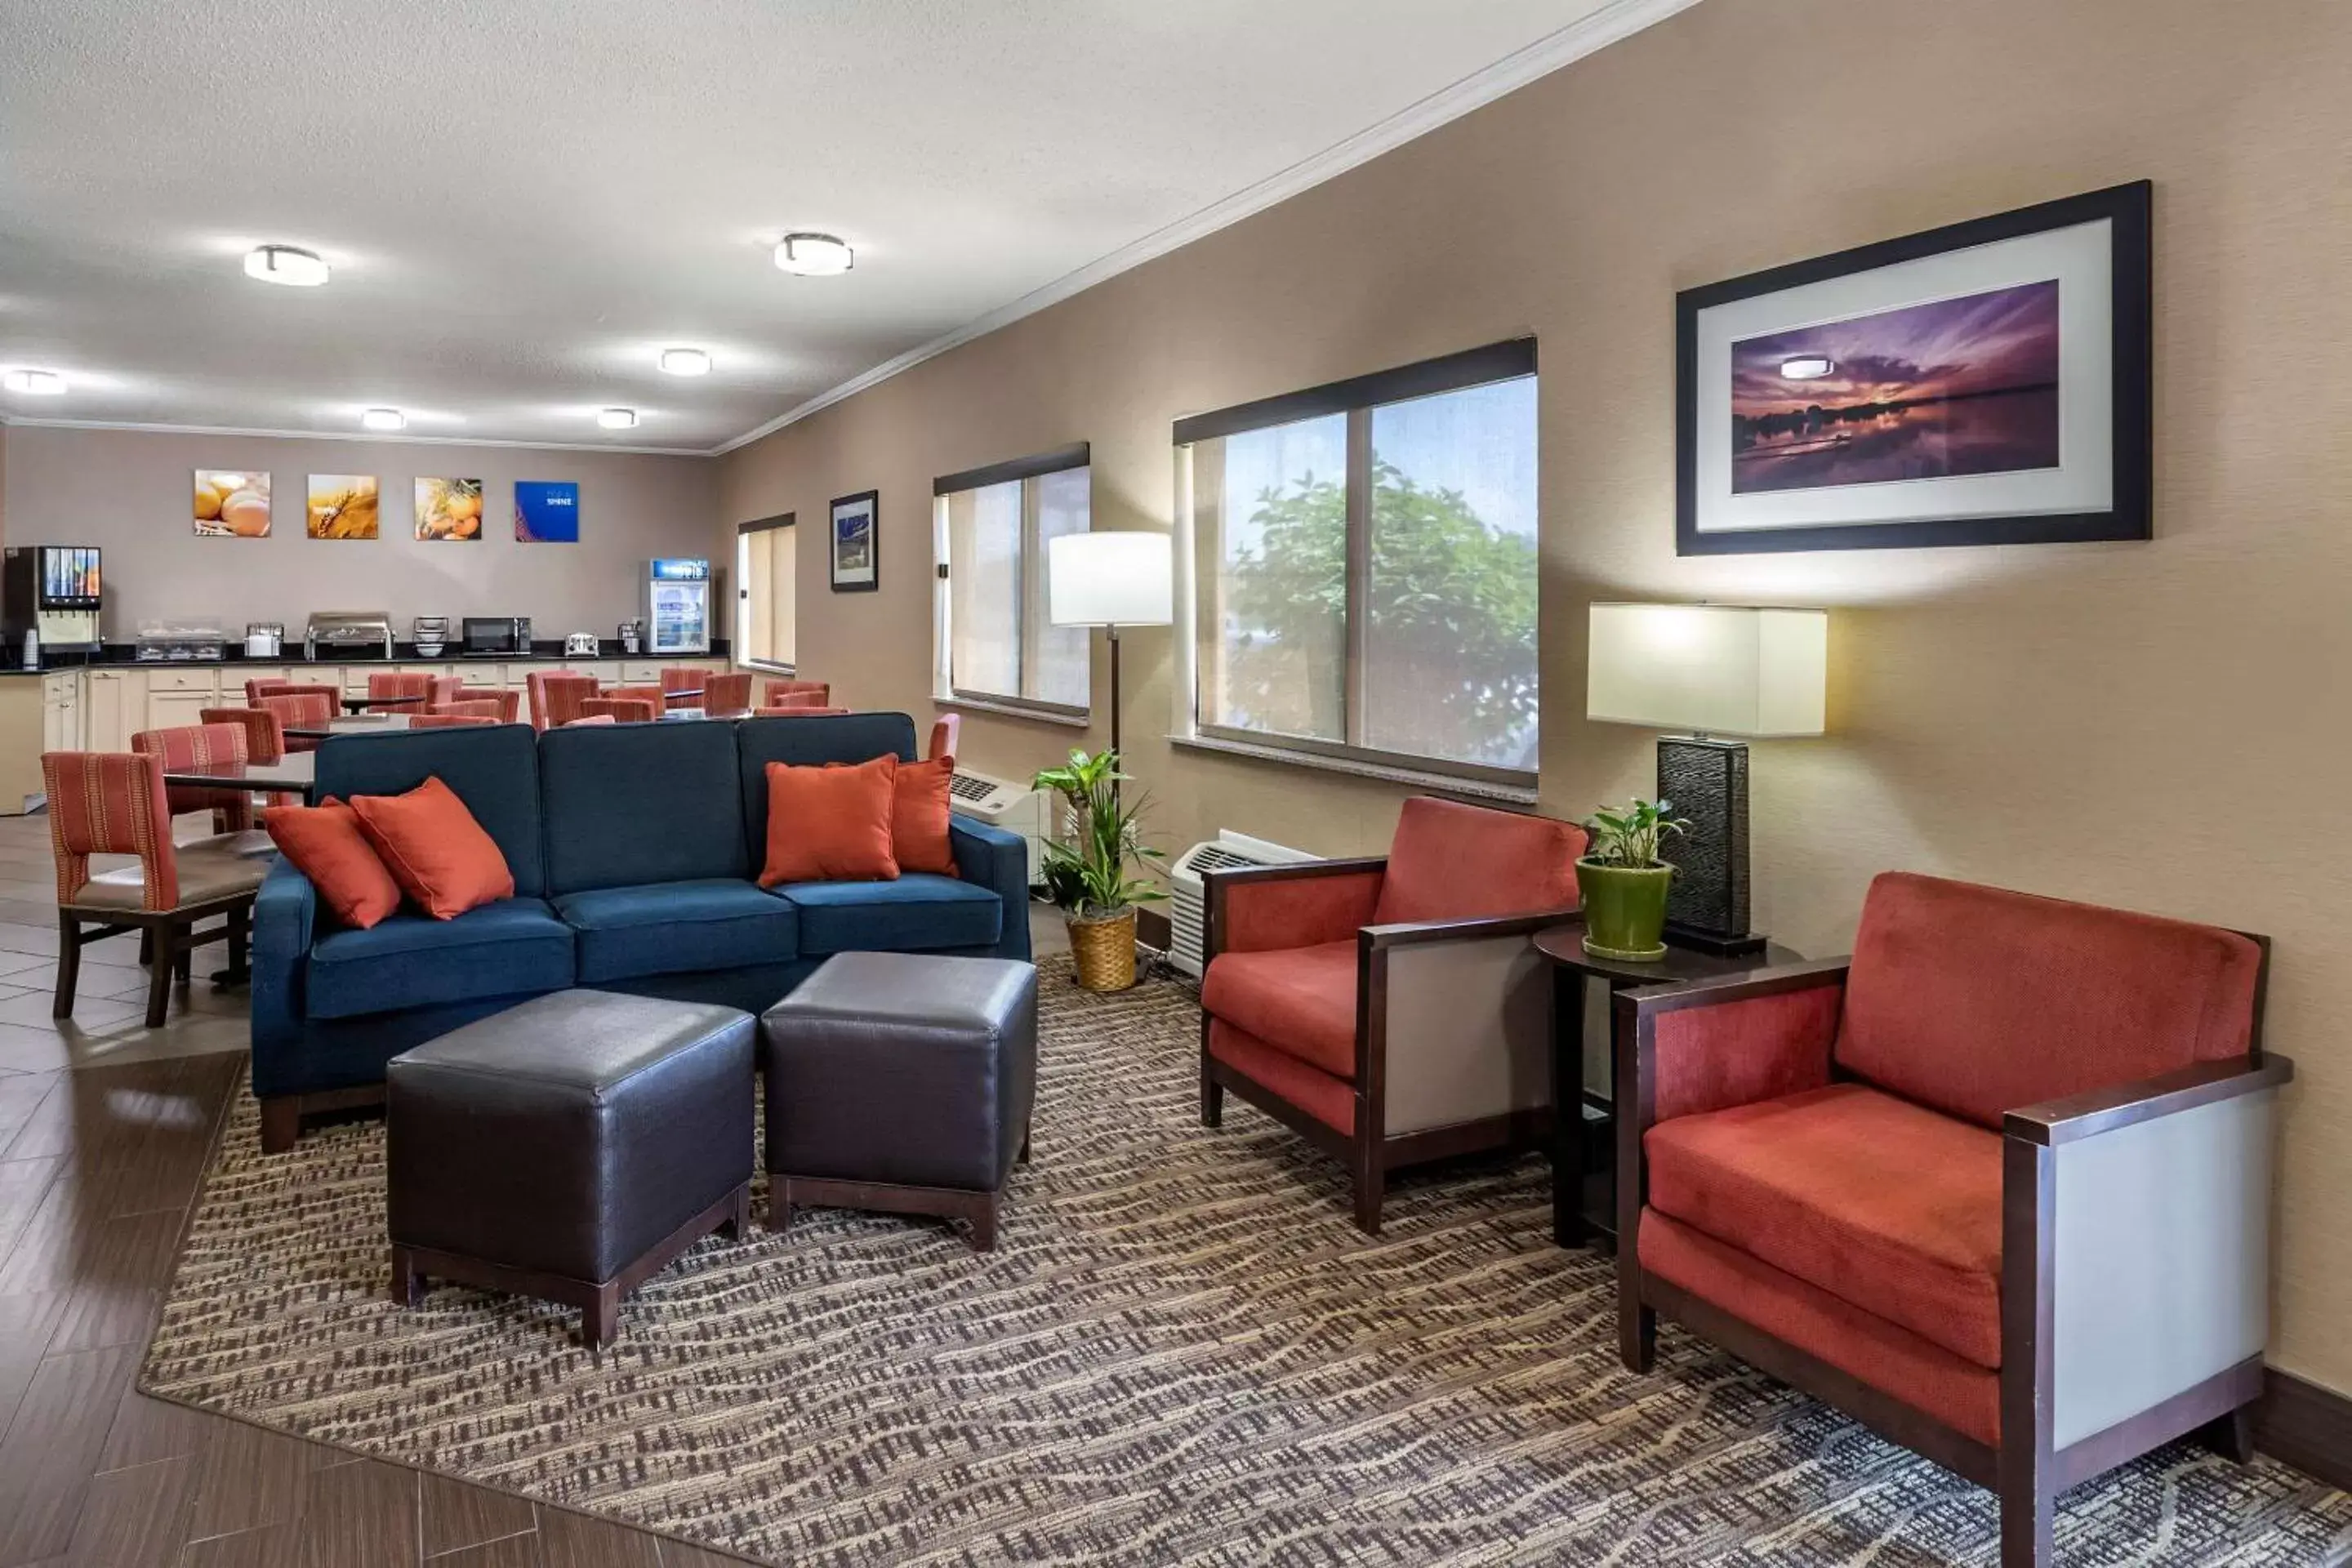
(1746, 945)
(1708, 782)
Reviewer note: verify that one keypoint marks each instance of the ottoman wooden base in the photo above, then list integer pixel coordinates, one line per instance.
(786, 1193)
(599, 1300)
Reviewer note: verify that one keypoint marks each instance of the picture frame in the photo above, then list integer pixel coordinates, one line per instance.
(853, 540)
(1984, 383)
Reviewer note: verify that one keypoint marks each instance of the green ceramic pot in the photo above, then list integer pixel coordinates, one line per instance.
(1625, 909)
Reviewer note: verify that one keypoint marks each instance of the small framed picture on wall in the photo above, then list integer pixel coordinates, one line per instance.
(856, 565)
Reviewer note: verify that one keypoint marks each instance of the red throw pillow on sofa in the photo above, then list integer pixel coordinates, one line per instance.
(325, 844)
(434, 849)
(918, 818)
(831, 824)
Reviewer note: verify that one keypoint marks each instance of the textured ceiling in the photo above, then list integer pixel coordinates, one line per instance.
(525, 199)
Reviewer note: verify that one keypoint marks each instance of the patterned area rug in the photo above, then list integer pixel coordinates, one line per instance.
(1181, 1351)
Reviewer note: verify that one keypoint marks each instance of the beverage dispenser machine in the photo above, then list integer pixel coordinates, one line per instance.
(54, 591)
(677, 606)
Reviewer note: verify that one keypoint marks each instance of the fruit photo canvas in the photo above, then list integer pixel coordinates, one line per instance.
(1968, 385)
(449, 510)
(232, 503)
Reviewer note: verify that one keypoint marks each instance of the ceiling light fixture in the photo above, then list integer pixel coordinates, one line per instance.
(285, 264)
(617, 419)
(384, 419)
(814, 254)
(36, 382)
(686, 362)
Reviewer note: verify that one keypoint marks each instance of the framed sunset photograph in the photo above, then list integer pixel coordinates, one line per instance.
(1982, 383)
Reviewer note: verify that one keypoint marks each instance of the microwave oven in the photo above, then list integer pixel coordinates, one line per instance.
(487, 636)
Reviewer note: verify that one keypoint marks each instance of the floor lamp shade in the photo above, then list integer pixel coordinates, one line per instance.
(1109, 580)
(1716, 670)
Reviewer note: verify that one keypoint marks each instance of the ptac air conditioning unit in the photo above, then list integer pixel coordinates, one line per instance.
(1001, 803)
(1188, 910)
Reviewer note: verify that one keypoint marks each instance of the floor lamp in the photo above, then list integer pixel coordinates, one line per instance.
(1111, 580)
(1715, 670)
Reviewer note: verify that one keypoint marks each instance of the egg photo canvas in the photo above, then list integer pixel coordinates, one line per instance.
(449, 509)
(232, 503)
(341, 506)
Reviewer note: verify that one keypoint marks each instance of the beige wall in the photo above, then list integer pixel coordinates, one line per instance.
(2155, 725)
(128, 492)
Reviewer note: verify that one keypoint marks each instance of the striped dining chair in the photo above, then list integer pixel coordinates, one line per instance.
(264, 740)
(796, 694)
(556, 696)
(415, 685)
(636, 710)
(196, 746)
(726, 696)
(945, 729)
(305, 705)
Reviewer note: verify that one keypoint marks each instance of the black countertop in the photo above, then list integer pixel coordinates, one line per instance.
(122, 656)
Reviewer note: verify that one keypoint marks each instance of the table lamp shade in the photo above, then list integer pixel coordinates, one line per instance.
(1109, 580)
(1723, 670)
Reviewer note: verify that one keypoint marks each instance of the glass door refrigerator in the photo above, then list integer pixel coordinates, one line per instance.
(677, 606)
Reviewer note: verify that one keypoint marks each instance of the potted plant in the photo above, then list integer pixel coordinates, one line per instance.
(1089, 877)
(1624, 883)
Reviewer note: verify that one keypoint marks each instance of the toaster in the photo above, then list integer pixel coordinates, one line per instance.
(580, 644)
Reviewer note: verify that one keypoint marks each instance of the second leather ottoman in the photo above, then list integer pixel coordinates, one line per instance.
(900, 1081)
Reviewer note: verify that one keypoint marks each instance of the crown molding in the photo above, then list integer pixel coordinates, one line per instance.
(1617, 20)
(20, 422)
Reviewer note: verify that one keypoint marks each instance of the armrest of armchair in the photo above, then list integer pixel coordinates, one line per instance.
(1708, 1045)
(2136, 1256)
(1455, 1022)
(284, 919)
(1256, 909)
(997, 860)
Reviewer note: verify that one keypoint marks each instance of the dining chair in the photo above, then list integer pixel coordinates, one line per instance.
(264, 740)
(621, 709)
(305, 705)
(945, 729)
(412, 684)
(197, 746)
(558, 696)
(781, 693)
(726, 696)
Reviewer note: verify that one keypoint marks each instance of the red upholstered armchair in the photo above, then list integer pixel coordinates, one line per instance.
(1998, 1185)
(1390, 1010)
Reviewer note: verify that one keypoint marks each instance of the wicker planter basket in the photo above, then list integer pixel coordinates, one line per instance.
(1104, 950)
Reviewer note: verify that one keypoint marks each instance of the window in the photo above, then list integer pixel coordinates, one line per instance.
(1365, 568)
(998, 645)
(765, 602)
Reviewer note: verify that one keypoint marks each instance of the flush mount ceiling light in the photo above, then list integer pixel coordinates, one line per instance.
(36, 382)
(1807, 367)
(686, 362)
(384, 419)
(285, 264)
(617, 419)
(814, 254)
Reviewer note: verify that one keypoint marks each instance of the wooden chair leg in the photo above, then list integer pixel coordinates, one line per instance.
(983, 1224)
(68, 965)
(1371, 1188)
(1637, 1335)
(159, 974)
(1212, 1097)
(238, 932)
(2029, 1510)
(146, 948)
(601, 1318)
(183, 957)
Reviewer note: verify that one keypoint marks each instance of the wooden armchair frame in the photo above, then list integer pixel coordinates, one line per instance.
(2057, 1428)
(1370, 1152)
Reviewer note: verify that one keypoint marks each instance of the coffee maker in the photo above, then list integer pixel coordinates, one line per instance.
(54, 591)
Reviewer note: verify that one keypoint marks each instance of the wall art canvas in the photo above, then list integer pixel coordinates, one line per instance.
(857, 563)
(1983, 384)
(449, 510)
(341, 506)
(232, 503)
(547, 511)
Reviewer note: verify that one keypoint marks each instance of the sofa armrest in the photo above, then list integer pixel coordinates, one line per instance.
(284, 919)
(1259, 908)
(1406, 934)
(996, 859)
(2098, 1110)
(1708, 1045)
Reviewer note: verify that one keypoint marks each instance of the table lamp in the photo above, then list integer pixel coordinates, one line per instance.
(1715, 670)
(1111, 580)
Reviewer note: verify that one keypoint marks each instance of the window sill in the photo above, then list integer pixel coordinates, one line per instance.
(1014, 710)
(1448, 784)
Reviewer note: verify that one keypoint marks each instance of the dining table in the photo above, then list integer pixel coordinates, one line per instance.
(367, 704)
(295, 773)
(357, 725)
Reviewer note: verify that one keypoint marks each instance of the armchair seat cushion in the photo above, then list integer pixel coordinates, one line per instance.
(514, 947)
(1880, 1203)
(918, 912)
(1301, 1000)
(677, 928)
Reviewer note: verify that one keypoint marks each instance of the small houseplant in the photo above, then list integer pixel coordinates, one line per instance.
(1624, 883)
(1089, 877)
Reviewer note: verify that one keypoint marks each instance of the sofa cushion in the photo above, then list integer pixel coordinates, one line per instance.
(809, 743)
(674, 928)
(434, 849)
(1301, 1000)
(514, 947)
(628, 806)
(1451, 861)
(831, 824)
(325, 844)
(1330, 1101)
(1883, 1204)
(914, 914)
(1978, 1001)
(493, 768)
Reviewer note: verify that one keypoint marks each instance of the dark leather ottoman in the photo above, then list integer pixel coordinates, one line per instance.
(569, 1148)
(900, 1081)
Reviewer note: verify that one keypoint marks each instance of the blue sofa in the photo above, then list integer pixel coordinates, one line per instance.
(634, 849)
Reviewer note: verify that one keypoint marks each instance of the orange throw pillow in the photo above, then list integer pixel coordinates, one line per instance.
(918, 819)
(325, 845)
(831, 825)
(434, 849)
